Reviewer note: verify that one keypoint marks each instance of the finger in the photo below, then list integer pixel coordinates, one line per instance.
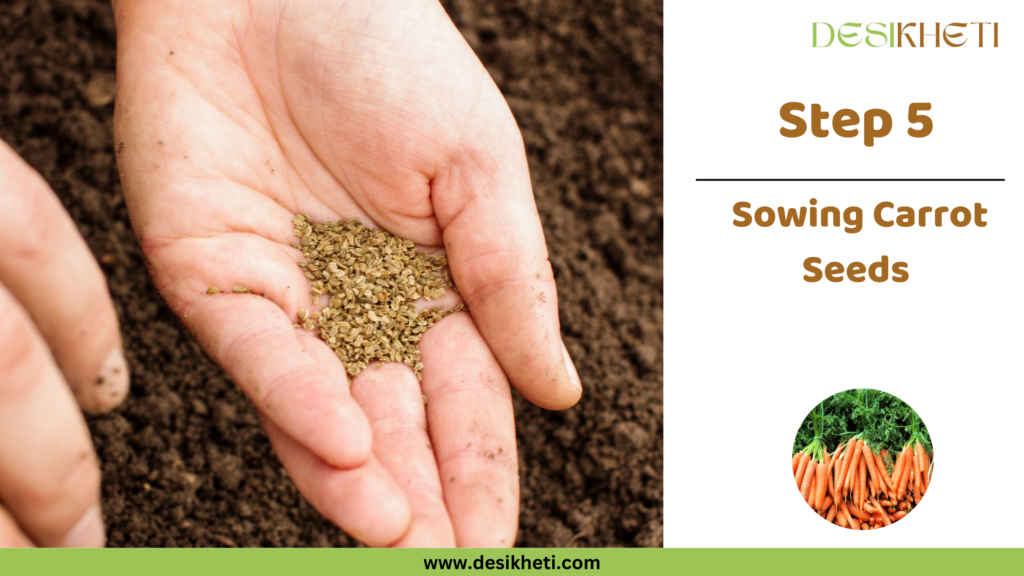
(10, 535)
(365, 501)
(49, 478)
(256, 344)
(469, 408)
(253, 338)
(499, 260)
(50, 270)
(484, 201)
(391, 396)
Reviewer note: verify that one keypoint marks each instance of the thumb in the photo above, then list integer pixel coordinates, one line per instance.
(499, 260)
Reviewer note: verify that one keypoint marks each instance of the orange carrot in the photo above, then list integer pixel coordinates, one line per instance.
(912, 487)
(841, 519)
(883, 473)
(900, 514)
(835, 463)
(923, 485)
(869, 458)
(796, 461)
(844, 470)
(857, 455)
(848, 484)
(831, 514)
(897, 473)
(924, 469)
(845, 509)
(801, 467)
(862, 475)
(805, 482)
(859, 513)
(827, 462)
(812, 493)
(819, 487)
(833, 466)
(916, 466)
(855, 491)
(902, 489)
(881, 513)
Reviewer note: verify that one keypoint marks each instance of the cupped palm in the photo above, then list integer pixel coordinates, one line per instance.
(231, 117)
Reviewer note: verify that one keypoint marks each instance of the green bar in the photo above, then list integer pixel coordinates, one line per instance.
(759, 562)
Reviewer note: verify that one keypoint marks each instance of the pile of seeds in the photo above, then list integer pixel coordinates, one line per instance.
(372, 279)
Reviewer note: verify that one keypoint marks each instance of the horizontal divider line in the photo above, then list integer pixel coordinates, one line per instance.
(851, 179)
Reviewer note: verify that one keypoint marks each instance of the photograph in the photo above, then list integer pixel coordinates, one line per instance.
(381, 273)
(878, 468)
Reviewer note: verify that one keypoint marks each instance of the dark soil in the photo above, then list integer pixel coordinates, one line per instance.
(185, 462)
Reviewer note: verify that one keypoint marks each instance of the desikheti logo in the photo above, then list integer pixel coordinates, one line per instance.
(909, 35)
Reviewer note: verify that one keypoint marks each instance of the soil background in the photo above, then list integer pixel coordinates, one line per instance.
(185, 462)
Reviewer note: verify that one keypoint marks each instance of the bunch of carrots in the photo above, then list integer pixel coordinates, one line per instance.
(853, 486)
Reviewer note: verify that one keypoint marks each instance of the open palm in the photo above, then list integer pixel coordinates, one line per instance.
(233, 116)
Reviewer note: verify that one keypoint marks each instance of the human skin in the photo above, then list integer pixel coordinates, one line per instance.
(233, 116)
(60, 352)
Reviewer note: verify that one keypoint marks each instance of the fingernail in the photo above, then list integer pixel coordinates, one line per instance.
(574, 376)
(112, 386)
(88, 532)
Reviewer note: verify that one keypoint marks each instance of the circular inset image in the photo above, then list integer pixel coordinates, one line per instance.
(862, 459)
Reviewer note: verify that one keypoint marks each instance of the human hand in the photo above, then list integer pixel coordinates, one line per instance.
(233, 116)
(59, 341)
